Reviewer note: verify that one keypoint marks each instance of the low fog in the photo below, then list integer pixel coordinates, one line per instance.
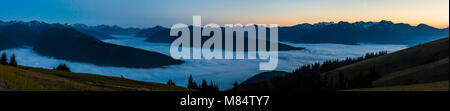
(223, 72)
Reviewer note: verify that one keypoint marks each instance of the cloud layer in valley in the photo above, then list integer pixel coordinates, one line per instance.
(223, 72)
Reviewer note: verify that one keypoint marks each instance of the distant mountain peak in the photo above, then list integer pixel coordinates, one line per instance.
(423, 25)
(386, 22)
(158, 26)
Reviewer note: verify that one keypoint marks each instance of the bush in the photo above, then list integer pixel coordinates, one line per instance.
(63, 67)
(171, 83)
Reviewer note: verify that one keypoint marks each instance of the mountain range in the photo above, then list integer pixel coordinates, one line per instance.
(16, 34)
(383, 32)
(112, 30)
(147, 32)
(7, 44)
(67, 43)
(163, 36)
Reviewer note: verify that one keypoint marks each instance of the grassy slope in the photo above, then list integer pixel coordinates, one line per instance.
(7, 44)
(38, 79)
(436, 71)
(254, 83)
(435, 86)
(414, 62)
(263, 77)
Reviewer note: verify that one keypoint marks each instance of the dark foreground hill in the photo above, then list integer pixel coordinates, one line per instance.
(419, 64)
(37, 79)
(68, 44)
(258, 78)
(62, 42)
(163, 36)
(149, 31)
(422, 67)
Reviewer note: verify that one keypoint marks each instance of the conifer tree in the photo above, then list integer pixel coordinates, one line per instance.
(171, 83)
(191, 83)
(12, 61)
(204, 85)
(3, 59)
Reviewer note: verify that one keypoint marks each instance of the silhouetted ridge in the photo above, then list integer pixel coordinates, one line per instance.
(383, 32)
(64, 42)
(149, 31)
(115, 30)
(87, 30)
(8, 44)
(68, 44)
(163, 36)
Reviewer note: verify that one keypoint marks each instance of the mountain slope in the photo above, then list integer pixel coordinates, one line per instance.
(383, 32)
(264, 76)
(86, 30)
(36, 79)
(115, 30)
(435, 71)
(254, 83)
(64, 42)
(96, 34)
(419, 64)
(149, 31)
(8, 44)
(68, 44)
(425, 63)
(434, 86)
(163, 36)
(25, 33)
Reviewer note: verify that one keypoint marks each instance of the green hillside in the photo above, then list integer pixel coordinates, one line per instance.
(416, 68)
(419, 64)
(264, 76)
(435, 86)
(38, 79)
(435, 71)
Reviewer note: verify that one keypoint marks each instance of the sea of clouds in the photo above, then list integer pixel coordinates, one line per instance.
(223, 72)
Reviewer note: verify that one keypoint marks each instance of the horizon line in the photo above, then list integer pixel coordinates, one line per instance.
(443, 26)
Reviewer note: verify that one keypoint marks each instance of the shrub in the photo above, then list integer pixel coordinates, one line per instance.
(63, 67)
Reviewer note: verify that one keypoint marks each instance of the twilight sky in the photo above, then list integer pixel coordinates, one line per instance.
(148, 13)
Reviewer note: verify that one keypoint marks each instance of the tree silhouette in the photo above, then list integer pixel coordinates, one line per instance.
(204, 84)
(191, 83)
(12, 61)
(63, 67)
(3, 59)
(235, 86)
(171, 83)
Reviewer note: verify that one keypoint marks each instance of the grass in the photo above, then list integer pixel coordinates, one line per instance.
(435, 71)
(435, 86)
(18, 79)
(416, 59)
(24, 78)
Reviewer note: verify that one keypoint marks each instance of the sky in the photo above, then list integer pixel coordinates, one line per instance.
(149, 13)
